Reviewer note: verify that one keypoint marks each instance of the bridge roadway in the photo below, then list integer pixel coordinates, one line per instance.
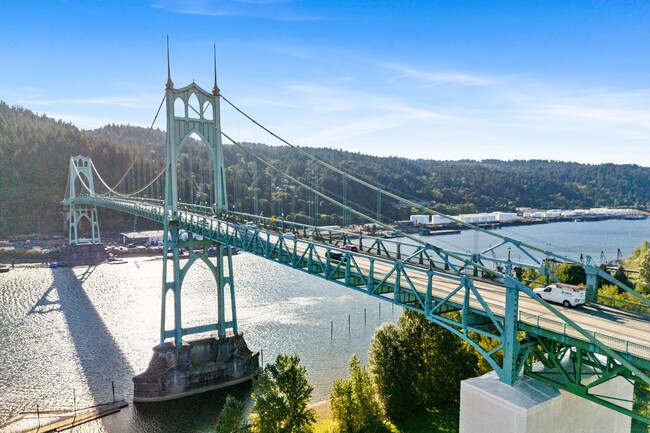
(604, 321)
(623, 332)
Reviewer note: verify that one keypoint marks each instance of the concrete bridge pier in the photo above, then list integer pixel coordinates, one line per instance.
(196, 366)
(529, 406)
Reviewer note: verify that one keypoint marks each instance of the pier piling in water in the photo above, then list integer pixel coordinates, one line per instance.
(197, 366)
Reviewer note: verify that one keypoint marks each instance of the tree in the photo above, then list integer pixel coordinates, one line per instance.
(641, 406)
(643, 283)
(353, 402)
(639, 252)
(281, 394)
(571, 273)
(390, 369)
(442, 359)
(621, 276)
(230, 418)
(419, 365)
(530, 278)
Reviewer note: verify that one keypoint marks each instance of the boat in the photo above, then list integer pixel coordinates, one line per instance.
(386, 234)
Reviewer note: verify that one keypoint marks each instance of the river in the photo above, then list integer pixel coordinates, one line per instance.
(67, 333)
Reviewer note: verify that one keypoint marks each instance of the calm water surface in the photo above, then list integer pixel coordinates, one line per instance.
(67, 333)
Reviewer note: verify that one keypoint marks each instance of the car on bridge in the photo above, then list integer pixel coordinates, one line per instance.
(334, 255)
(565, 294)
(352, 248)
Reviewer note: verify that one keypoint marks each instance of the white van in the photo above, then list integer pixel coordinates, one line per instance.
(565, 294)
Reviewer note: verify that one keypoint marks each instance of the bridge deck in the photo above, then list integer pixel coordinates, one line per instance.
(622, 327)
(623, 332)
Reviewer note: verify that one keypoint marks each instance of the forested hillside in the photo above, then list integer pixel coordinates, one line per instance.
(35, 150)
(34, 157)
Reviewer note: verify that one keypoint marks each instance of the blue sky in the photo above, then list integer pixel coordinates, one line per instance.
(561, 80)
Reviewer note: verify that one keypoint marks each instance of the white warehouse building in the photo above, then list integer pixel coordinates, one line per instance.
(439, 220)
(419, 220)
(505, 216)
(477, 218)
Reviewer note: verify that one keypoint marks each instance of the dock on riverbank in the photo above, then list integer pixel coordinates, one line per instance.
(59, 420)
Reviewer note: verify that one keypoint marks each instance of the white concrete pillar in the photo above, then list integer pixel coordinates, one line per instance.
(490, 406)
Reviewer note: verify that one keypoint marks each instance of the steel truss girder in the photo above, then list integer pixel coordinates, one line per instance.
(462, 260)
(478, 318)
(565, 369)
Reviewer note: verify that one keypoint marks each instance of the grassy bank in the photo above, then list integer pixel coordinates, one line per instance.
(443, 420)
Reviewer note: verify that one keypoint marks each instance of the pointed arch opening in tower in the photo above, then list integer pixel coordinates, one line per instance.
(82, 185)
(179, 108)
(193, 107)
(84, 228)
(207, 111)
(195, 172)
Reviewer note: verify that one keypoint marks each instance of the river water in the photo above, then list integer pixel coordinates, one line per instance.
(67, 333)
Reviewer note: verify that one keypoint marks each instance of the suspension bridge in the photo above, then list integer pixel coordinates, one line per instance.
(477, 296)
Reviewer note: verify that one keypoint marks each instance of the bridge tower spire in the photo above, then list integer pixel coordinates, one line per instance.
(81, 168)
(192, 110)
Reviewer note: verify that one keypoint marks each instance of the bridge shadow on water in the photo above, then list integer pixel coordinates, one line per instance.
(101, 361)
(98, 355)
(48, 303)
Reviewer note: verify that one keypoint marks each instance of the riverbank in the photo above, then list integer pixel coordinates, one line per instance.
(444, 420)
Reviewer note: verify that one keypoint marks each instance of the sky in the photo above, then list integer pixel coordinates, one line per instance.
(558, 80)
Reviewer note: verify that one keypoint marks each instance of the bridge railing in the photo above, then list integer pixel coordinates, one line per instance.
(394, 249)
(633, 307)
(541, 322)
(627, 347)
(287, 250)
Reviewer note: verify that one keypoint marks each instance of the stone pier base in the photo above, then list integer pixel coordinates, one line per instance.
(83, 254)
(198, 366)
(490, 406)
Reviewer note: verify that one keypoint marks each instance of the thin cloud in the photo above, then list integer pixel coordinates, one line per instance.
(88, 122)
(268, 103)
(624, 113)
(23, 93)
(276, 10)
(600, 115)
(331, 115)
(130, 102)
(421, 114)
(439, 77)
(512, 117)
(347, 132)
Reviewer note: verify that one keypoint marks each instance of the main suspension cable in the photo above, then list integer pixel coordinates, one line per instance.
(354, 211)
(143, 142)
(411, 203)
(119, 193)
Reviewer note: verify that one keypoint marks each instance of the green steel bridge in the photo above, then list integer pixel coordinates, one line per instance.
(581, 348)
